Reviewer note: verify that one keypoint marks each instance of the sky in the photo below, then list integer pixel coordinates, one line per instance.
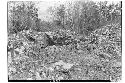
(44, 5)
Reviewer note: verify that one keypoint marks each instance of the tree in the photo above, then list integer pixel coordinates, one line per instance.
(83, 17)
(58, 14)
(21, 16)
(110, 12)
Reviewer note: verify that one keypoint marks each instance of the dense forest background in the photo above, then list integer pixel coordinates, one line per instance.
(79, 16)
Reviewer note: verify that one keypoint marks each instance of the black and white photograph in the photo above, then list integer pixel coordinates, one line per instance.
(64, 41)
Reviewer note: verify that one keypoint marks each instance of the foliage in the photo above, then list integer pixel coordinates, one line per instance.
(96, 57)
(84, 44)
(22, 16)
(84, 17)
